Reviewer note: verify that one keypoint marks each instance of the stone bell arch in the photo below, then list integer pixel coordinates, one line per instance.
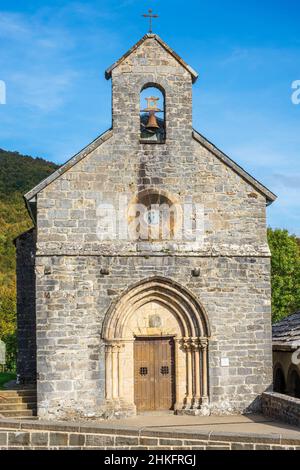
(182, 318)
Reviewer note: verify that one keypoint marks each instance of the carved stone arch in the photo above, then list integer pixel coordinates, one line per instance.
(151, 84)
(293, 381)
(155, 189)
(155, 81)
(196, 319)
(183, 318)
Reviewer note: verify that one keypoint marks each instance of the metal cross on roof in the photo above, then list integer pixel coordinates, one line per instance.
(150, 16)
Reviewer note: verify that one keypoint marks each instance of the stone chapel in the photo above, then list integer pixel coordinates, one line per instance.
(145, 283)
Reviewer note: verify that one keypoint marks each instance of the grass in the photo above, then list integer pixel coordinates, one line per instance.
(6, 377)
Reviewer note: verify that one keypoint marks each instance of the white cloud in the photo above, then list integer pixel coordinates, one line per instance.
(12, 26)
(288, 181)
(34, 61)
(43, 91)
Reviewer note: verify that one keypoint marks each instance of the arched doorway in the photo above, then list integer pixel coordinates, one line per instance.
(279, 380)
(157, 333)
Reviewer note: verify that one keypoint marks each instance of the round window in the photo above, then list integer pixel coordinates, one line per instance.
(151, 217)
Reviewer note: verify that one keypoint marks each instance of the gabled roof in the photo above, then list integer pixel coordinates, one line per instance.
(198, 137)
(286, 333)
(271, 197)
(193, 73)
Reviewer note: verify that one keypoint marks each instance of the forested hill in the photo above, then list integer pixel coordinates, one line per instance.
(18, 174)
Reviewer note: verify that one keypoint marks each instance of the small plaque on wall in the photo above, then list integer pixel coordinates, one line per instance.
(224, 362)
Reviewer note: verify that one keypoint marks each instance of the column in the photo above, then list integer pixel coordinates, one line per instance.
(108, 372)
(204, 347)
(179, 402)
(189, 372)
(120, 370)
(197, 379)
(114, 369)
(128, 374)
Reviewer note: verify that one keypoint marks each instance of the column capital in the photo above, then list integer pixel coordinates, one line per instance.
(195, 343)
(186, 343)
(203, 342)
(115, 343)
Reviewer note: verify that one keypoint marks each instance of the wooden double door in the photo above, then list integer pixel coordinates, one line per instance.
(154, 374)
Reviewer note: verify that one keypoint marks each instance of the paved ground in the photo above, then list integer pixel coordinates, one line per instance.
(256, 424)
(169, 423)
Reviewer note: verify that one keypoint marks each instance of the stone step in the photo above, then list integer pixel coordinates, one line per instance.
(5, 398)
(23, 417)
(25, 399)
(17, 393)
(17, 406)
(17, 413)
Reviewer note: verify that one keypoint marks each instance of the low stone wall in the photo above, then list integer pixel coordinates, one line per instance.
(49, 436)
(281, 407)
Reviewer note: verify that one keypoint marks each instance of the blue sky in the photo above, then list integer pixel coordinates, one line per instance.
(53, 55)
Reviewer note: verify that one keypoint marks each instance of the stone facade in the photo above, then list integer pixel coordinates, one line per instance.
(26, 307)
(82, 280)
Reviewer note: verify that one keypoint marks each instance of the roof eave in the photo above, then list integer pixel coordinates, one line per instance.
(282, 346)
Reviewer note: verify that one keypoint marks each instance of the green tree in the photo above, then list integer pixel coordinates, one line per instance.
(7, 310)
(8, 324)
(285, 273)
(18, 174)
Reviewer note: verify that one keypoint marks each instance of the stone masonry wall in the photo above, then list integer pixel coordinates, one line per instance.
(281, 407)
(234, 213)
(73, 298)
(26, 307)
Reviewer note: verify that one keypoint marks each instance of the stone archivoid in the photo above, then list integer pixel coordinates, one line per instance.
(157, 308)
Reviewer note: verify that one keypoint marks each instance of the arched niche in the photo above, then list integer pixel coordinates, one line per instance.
(279, 380)
(155, 215)
(152, 114)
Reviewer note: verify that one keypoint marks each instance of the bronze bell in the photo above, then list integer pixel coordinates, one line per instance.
(152, 121)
